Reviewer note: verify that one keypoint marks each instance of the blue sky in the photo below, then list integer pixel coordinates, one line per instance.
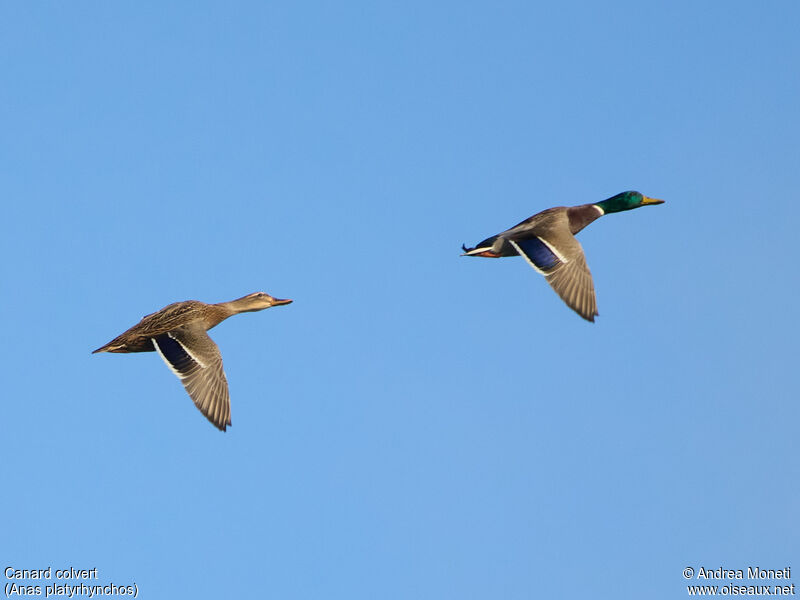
(417, 424)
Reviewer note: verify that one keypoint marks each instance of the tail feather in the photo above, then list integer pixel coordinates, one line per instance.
(114, 346)
(107, 348)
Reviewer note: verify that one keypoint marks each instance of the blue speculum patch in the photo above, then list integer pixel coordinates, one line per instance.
(175, 354)
(538, 253)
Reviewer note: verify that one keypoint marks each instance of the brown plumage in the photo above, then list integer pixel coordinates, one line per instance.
(178, 333)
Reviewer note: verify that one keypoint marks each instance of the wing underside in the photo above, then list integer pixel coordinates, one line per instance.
(564, 269)
(194, 357)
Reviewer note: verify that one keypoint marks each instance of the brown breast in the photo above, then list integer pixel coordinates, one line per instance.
(580, 216)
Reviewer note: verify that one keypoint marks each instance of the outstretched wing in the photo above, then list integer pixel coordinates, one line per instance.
(565, 270)
(195, 359)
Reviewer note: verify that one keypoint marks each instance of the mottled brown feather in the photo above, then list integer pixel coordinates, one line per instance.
(198, 363)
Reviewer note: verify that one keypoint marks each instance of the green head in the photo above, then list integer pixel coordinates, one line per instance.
(626, 201)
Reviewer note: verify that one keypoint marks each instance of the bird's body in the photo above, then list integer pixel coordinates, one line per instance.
(547, 242)
(178, 333)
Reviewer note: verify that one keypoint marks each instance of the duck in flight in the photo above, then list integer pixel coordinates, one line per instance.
(178, 333)
(547, 241)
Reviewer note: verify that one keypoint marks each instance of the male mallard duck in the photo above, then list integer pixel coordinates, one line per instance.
(547, 241)
(178, 333)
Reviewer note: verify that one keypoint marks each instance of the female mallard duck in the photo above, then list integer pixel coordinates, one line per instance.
(547, 241)
(178, 333)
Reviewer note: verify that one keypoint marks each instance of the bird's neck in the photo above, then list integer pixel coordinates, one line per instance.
(217, 313)
(240, 305)
(616, 204)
